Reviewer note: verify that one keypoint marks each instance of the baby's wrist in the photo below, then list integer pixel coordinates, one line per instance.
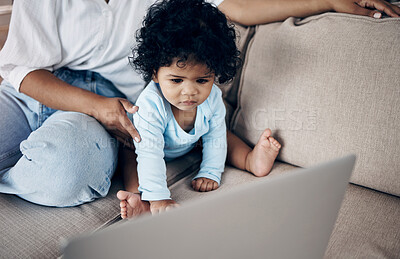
(158, 201)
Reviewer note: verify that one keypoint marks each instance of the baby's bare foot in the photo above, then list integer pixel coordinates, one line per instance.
(261, 159)
(131, 204)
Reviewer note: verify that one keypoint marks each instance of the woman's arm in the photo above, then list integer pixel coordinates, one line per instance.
(252, 12)
(46, 88)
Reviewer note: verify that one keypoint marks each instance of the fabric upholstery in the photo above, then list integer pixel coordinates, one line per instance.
(230, 89)
(327, 86)
(367, 226)
(33, 231)
(182, 191)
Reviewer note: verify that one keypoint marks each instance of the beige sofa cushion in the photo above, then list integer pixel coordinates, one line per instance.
(28, 230)
(230, 89)
(327, 86)
(367, 226)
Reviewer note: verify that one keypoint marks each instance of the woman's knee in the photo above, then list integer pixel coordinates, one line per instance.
(75, 158)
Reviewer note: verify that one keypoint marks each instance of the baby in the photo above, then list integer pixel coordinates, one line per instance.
(183, 48)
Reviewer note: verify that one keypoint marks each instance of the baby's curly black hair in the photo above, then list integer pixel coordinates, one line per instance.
(186, 29)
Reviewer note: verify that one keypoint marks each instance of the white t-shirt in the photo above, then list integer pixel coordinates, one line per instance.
(78, 34)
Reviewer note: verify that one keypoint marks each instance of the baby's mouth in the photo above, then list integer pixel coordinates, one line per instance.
(189, 102)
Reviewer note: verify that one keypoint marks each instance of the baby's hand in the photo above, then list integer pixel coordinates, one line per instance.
(163, 205)
(202, 184)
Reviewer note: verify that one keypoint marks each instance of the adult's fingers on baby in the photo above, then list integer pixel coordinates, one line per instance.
(119, 134)
(128, 106)
(128, 126)
(125, 140)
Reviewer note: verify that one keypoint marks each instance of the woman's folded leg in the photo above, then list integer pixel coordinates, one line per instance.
(67, 161)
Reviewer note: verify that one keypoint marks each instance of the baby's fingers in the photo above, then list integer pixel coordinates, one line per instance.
(203, 187)
(169, 207)
(215, 185)
(197, 184)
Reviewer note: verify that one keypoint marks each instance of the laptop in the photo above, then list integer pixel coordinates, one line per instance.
(283, 216)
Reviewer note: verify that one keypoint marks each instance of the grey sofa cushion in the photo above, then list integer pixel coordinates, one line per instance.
(327, 86)
(28, 230)
(367, 226)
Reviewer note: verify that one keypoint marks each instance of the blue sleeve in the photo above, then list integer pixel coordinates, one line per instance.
(214, 141)
(150, 123)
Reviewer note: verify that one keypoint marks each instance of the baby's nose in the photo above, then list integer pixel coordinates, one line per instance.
(189, 90)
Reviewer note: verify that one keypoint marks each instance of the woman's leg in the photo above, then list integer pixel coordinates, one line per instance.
(69, 157)
(68, 161)
(14, 128)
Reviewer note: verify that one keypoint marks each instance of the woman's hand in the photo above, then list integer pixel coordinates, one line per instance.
(46, 88)
(111, 113)
(266, 11)
(372, 8)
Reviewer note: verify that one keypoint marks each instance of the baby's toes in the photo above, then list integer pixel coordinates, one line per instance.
(122, 204)
(274, 143)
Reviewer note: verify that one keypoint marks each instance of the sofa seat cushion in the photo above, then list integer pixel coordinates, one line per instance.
(182, 190)
(33, 231)
(28, 230)
(368, 226)
(327, 86)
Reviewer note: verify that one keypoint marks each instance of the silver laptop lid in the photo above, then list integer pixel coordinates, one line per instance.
(285, 216)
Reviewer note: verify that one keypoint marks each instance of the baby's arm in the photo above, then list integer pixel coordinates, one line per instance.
(150, 123)
(214, 147)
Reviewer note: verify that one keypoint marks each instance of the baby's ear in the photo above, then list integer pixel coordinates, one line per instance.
(154, 78)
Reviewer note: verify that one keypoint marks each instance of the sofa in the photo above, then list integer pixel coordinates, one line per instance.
(327, 85)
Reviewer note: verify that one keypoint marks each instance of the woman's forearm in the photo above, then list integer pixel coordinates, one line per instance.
(252, 12)
(46, 88)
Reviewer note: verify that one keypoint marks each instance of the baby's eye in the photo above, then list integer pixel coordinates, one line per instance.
(177, 80)
(202, 81)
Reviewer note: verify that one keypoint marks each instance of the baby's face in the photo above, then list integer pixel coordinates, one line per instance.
(185, 87)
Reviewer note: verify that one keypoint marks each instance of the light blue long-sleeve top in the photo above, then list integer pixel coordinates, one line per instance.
(163, 139)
